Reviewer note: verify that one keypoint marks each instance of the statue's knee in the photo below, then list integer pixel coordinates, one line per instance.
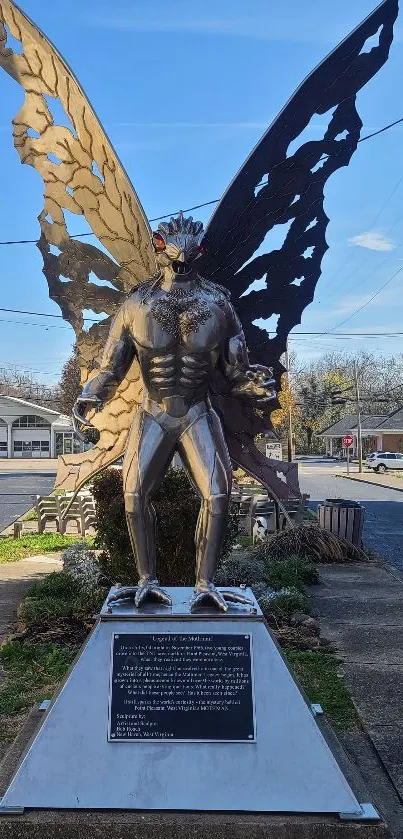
(135, 502)
(218, 504)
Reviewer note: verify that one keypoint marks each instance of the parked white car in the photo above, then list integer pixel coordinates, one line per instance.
(382, 461)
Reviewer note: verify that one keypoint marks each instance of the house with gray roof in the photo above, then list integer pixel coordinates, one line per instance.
(380, 432)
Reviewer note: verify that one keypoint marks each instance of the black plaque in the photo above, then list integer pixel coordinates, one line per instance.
(193, 686)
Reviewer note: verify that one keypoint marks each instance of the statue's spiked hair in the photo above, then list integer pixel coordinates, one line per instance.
(180, 224)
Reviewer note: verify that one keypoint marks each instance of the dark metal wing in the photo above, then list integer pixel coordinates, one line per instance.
(278, 185)
(274, 187)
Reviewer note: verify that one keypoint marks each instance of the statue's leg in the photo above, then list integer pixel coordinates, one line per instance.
(205, 455)
(148, 454)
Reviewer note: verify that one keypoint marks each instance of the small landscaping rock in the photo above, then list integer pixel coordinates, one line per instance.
(311, 623)
(298, 618)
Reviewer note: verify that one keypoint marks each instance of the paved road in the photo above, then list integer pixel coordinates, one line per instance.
(383, 528)
(18, 492)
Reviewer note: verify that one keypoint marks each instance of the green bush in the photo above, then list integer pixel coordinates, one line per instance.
(278, 606)
(254, 568)
(294, 572)
(58, 584)
(237, 570)
(177, 507)
(58, 597)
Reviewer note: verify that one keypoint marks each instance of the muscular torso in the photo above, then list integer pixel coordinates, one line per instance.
(177, 339)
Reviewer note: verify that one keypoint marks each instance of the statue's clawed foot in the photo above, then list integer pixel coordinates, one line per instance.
(146, 590)
(205, 594)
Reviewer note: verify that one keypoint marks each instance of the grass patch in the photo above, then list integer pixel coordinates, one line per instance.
(32, 673)
(293, 572)
(56, 617)
(36, 543)
(279, 607)
(31, 515)
(318, 675)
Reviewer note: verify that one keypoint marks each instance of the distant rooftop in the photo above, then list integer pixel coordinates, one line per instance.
(349, 423)
(393, 422)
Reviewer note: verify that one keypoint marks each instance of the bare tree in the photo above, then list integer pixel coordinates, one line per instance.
(70, 383)
(22, 386)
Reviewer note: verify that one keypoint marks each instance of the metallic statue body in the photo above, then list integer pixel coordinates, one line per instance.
(180, 328)
(175, 342)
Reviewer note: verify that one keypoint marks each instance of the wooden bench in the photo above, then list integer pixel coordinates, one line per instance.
(52, 508)
(47, 510)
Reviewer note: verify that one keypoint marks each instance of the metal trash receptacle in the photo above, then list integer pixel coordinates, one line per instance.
(343, 518)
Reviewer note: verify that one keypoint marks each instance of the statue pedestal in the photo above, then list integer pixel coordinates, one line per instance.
(168, 711)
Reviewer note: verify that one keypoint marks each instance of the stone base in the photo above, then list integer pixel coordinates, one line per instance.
(159, 825)
(291, 772)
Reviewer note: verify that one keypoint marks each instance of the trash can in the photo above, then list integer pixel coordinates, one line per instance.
(343, 518)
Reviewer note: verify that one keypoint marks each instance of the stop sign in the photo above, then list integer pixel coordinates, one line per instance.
(347, 441)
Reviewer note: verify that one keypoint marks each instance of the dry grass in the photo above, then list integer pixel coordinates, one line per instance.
(313, 544)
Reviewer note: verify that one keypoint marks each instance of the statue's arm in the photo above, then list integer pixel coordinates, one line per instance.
(251, 382)
(117, 357)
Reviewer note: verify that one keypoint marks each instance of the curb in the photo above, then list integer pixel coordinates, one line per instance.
(370, 483)
(20, 518)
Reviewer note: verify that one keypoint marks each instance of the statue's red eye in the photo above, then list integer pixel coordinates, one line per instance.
(159, 242)
(202, 247)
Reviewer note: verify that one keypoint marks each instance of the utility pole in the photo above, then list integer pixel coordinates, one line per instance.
(289, 407)
(358, 404)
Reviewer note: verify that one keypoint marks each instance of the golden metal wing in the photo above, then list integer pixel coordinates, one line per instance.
(82, 175)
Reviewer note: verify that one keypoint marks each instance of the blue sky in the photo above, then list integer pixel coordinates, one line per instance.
(184, 92)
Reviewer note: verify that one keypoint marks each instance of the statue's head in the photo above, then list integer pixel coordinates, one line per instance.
(177, 244)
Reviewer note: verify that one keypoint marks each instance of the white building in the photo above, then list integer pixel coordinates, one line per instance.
(28, 430)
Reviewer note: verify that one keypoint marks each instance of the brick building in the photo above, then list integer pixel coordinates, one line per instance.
(380, 432)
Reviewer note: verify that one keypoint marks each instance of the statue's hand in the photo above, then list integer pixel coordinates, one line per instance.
(258, 385)
(84, 429)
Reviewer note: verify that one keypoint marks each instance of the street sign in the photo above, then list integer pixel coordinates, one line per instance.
(274, 449)
(347, 441)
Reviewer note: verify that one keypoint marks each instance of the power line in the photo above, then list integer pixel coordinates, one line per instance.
(150, 220)
(381, 130)
(360, 308)
(28, 323)
(40, 314)
(206, 203)
(292, 335)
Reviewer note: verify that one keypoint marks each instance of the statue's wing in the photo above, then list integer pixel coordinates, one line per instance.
(58, 133)
(279, 191)
(242, 425)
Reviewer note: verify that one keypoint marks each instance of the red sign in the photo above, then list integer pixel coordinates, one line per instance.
(347, 441)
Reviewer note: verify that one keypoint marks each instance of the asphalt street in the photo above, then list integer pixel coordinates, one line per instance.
(18, 493)
(383, 527)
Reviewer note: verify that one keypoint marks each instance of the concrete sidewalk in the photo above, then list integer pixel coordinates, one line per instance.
(15, 464)
(387, 480)
(360, 609)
